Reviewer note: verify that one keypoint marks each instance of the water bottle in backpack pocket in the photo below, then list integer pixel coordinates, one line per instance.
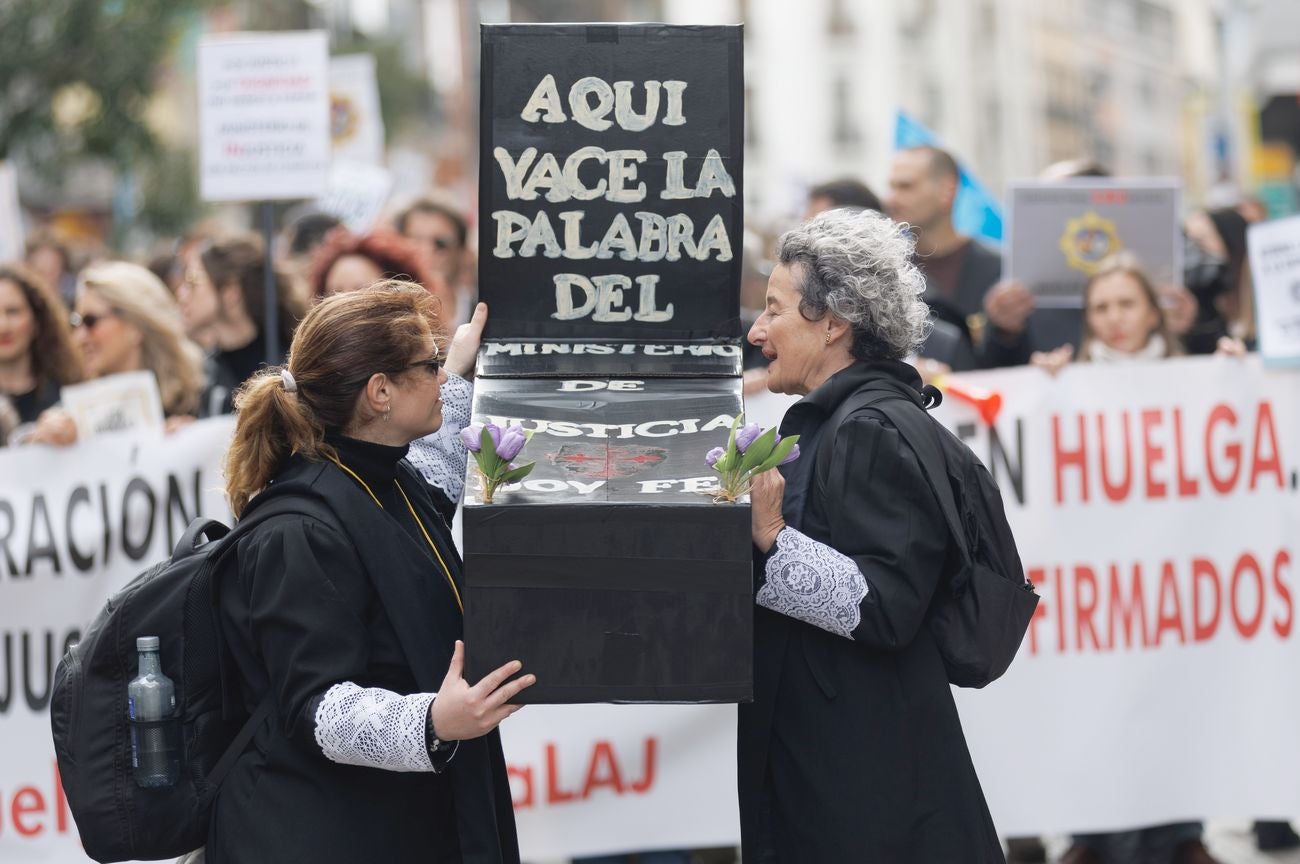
(155, 728)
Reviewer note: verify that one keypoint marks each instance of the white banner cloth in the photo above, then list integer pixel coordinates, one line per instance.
(1156, 508)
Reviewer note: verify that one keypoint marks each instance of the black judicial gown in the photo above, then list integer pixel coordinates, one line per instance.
(314, 603)
(852, 750)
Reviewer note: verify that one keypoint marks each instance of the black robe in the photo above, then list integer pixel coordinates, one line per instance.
(313, 604)
(852, 750)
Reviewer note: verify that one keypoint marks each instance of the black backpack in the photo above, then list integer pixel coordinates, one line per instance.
(983, 608)
(175, 601)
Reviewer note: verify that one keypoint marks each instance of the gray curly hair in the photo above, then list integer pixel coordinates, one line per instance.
(857, 265)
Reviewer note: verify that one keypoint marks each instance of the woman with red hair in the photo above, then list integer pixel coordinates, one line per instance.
(348, 262)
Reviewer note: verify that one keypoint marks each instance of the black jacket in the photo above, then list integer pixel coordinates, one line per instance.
(317, 603)
(852, 749)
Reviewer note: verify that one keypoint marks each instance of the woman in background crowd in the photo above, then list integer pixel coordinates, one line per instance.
(223, 297)
(37, 355)
(1217, 272)
(441, 233)
(126, 321)
(347, 262)
(51, 260)
(1124, 322)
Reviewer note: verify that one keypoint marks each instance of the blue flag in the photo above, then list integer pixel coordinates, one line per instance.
(975, 212)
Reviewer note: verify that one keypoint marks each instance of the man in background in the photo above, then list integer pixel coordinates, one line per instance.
(961, 273)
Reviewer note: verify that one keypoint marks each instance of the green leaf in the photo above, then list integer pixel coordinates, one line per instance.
(731, 439)
(779, 453)
(514, 475)
(488, 460)
(759, 450)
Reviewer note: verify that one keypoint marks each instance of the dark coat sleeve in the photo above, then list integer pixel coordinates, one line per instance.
(883, 514)
(306, 594)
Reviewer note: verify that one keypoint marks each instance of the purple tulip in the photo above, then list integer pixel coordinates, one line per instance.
(793, 455)
(471, 436)
(512, 441)
(714, 455)
(746, 435)
(494, 432)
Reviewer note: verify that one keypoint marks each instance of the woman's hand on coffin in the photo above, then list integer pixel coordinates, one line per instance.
(461, 711)
(464, 345)
(765, 496)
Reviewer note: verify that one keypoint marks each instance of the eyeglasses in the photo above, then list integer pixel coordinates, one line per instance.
(433, 364)
(89, 320)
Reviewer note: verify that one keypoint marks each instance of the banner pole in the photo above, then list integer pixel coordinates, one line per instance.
(271, 328)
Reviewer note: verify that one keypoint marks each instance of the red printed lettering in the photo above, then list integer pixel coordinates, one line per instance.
(1152, 453)
(554, 794)
(1231, 451)
(1084, 607)
(1125, 614)
(1188, 487)
(1169, 607)
(648, 780)
(27, 801)
(1038, 576)
(1282, 627)
(1203, 573)
(1265, 433)
(1115, 491)
(1063, 459)
(603, 770)
(1248, 627)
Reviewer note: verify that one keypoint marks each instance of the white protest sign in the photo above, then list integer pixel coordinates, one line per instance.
(1275, 269)
(126, 402)
(356, 126)
(263, 116)
(356, 194)
(11, 219)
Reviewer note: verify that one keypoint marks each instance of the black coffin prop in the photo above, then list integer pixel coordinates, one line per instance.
(610, 571)
(609, 252)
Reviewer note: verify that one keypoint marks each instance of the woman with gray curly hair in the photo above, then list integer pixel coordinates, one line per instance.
(852, 749)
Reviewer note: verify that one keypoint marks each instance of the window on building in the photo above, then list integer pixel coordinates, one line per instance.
(844, 127)
(838, 20)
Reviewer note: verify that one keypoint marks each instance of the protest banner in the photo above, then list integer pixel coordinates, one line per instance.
(1058, 234)
(264, 121)
(11, 217)
(1155, 506)
(356, 125)
(76, 524)
(1275, 272)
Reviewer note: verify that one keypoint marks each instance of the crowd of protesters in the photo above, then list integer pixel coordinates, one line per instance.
(196, 318)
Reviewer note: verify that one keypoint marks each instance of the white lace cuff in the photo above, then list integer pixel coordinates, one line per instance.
(440, 457)
(374, 728)
(813, 583)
